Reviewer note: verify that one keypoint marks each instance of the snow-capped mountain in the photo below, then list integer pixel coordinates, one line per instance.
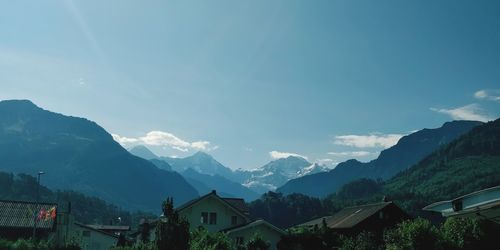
(266, 178)
(278, 172)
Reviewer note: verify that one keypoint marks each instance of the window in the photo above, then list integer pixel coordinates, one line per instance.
(213, 218)
(86, 233)
(204, 218)
(381, 215)
(234, 220)
(239, 240)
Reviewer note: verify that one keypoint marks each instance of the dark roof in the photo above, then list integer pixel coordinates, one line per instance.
(95, 230)
(238, 203)
(349, 217)
(253, 223)
(110, 227)
(20, 214)
(191, 202)
(235, 203)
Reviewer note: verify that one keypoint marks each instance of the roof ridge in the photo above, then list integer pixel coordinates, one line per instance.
(30, 202)
(368, 205)
(190, 203)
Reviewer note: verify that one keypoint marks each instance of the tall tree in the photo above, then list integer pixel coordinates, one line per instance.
(172, 231)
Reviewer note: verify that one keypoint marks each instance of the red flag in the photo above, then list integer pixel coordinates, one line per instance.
(42, 214)
(53, 213)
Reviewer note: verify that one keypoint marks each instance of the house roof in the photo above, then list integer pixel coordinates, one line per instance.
(349, 217)
(96, 230)
(110, 227)
(233, 203)
(20, 214)
(484, 203)
(253, 224)
(238, 203)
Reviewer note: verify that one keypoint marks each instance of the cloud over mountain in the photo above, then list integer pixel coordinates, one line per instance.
(368, 141)
(471, 112)
(161, 138)
(279, 155)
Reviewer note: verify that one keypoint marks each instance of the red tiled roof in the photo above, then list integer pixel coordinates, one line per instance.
(20, 214)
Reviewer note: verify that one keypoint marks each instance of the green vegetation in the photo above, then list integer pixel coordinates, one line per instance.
(201, 239)
(285, 211)
(418, 234)
(256, 243)
(23, 244)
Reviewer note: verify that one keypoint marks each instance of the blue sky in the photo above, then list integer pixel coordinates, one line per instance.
(250, 81)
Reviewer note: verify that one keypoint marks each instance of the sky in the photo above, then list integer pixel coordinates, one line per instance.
(253, 81)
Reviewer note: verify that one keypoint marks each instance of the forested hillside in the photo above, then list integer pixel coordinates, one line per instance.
(80, 155)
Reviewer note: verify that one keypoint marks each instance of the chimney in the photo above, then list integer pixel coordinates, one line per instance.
(214, 192)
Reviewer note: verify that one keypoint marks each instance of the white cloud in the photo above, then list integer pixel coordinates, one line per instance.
(368, 141)
(326, 161)
(124, 140)
(493, 95)
(471, 112)
(165, 139)
(351, 153)
(480, 94)
(278, 155)
(248, 149)
(81, 81)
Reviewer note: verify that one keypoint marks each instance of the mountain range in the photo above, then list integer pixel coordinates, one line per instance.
(211, 174)
(77, 154)
(467, 164)
(408, 151)
(278, 172)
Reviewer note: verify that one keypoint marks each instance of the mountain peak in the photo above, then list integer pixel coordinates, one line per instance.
(18, 104)
(143, 152)
(292, 158)
(460, 123)
(201, 154)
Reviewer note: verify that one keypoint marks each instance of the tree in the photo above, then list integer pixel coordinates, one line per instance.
(470, 233)
(145, 230)
(418, 234)
(257, 243)
(363, 241)
(201, 239)
(172, 231)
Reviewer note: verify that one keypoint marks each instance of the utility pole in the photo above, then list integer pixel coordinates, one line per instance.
(36, 204)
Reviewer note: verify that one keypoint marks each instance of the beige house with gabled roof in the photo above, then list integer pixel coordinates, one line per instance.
(229, 215)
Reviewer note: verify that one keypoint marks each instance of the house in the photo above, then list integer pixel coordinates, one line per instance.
(217, 214)
(85, 236)
(483, 204)
(89, 238)
(53, 223)
(17, 219)
(371, 217)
